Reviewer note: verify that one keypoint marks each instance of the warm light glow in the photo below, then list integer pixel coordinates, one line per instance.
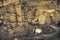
(38, 30)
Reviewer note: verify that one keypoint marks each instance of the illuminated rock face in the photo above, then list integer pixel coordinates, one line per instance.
(10, 14)
(19, 16)
(43, 12)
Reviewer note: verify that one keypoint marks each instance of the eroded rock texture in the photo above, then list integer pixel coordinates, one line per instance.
(29, 20)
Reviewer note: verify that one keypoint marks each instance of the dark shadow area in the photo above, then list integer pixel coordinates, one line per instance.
(58, 24)
(1, 22)
(58, 2)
